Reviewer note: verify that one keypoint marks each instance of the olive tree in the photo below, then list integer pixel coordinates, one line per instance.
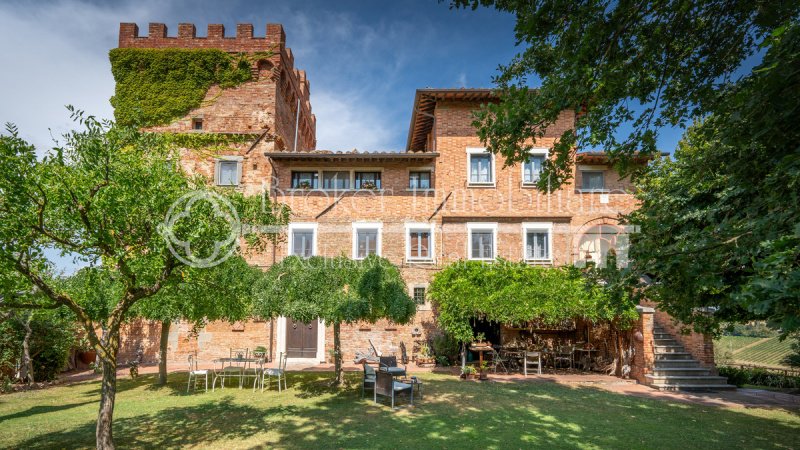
(103, 196)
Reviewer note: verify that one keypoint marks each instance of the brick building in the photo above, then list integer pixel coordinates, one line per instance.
(441, 199)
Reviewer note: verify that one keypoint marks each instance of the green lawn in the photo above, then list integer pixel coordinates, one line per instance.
(454, 414)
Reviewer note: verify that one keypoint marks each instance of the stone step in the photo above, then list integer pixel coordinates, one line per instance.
(662, 336)
(673, 356)
(665, 342)
(693, 387)
(668, 349)
(686, 379)
(668, 363)
(680, 371)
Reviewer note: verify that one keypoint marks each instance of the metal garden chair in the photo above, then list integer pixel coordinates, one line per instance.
(194, 372)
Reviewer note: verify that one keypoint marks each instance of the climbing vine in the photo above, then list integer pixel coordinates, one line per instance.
(156, 86)
(517, 293)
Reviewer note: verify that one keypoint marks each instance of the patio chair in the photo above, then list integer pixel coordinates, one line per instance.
(565, 354)
(498, 360)
(369, 379)
(532, 359)
(388, 364)
(279, 372)
(195, 373)
(386, 385)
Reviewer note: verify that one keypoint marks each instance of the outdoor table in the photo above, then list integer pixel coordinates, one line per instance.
(259, 362)
(413, 381)
(480, 349)
(514, 354)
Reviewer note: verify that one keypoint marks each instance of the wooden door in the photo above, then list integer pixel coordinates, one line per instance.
(301, 339)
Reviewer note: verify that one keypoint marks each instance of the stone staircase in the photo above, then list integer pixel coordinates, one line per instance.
(676, 370)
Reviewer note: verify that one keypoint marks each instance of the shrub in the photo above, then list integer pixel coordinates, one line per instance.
(52, 338)
(445, 348)
(741, 376)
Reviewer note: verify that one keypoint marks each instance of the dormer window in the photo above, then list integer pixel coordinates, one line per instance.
(197, 124)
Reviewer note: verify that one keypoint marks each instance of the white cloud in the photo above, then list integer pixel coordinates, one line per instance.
(353, 122)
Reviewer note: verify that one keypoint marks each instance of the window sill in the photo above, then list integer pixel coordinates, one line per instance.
(592, 191)
(482, 259)
(539, 262)
(333, 190)
(420, 261)
(421, 191)
(528, 185)
(482, 185)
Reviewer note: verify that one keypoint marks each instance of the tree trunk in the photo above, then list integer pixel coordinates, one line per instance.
(337, 355)
(162, 352)
(26, 368)
(108, 392)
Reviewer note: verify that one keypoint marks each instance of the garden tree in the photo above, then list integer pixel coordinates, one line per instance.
(719, 223)
(222, 292)
(335, 290)
(518, 293)
(102, 195)
(643, 63)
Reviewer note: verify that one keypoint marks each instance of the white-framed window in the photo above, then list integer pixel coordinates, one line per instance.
(593, 180)
(366, 239)
(480, 167)
(537, 241)
(419, 242)
(419, 292)
(532, 168)
(228, 170)
(303, 239)
(482, 241)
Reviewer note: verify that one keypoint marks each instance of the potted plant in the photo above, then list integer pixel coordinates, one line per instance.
(304, 185)
(259, 352)
(480, 340)
(467, 372)
(86, 353)
(424, 356)
(484, 371)
(369, 185)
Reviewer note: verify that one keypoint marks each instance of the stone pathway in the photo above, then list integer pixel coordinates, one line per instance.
(739, 398)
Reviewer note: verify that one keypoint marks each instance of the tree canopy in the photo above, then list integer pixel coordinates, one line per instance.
(646, 64)
(719, 223)
(104, 196)
(336, 290)
(518, 293)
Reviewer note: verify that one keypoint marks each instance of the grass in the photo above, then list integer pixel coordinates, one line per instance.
(770, 352)
(453, 414)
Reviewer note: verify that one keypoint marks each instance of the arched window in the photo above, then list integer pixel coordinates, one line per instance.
(599, 242)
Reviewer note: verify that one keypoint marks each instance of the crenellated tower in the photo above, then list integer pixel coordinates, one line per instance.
(267, 105)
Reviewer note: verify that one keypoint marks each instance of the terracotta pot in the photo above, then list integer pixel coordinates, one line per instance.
(484, 375)
(87, 356)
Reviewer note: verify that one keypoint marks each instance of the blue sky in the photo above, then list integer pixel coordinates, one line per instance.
(364, 59)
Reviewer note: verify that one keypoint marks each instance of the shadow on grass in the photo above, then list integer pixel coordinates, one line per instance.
(200, 425)
(453, 413)
(36, 410)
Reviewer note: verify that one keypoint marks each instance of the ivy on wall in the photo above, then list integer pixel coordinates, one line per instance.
(517, 293)
(156, 86)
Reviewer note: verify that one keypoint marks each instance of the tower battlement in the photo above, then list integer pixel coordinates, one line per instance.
(291, 84)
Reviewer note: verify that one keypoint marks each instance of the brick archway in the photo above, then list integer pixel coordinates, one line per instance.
(593, 240)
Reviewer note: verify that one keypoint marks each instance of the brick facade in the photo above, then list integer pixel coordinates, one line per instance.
(265, 105)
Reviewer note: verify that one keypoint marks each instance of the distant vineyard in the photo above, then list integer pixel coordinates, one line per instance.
(752, 350)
